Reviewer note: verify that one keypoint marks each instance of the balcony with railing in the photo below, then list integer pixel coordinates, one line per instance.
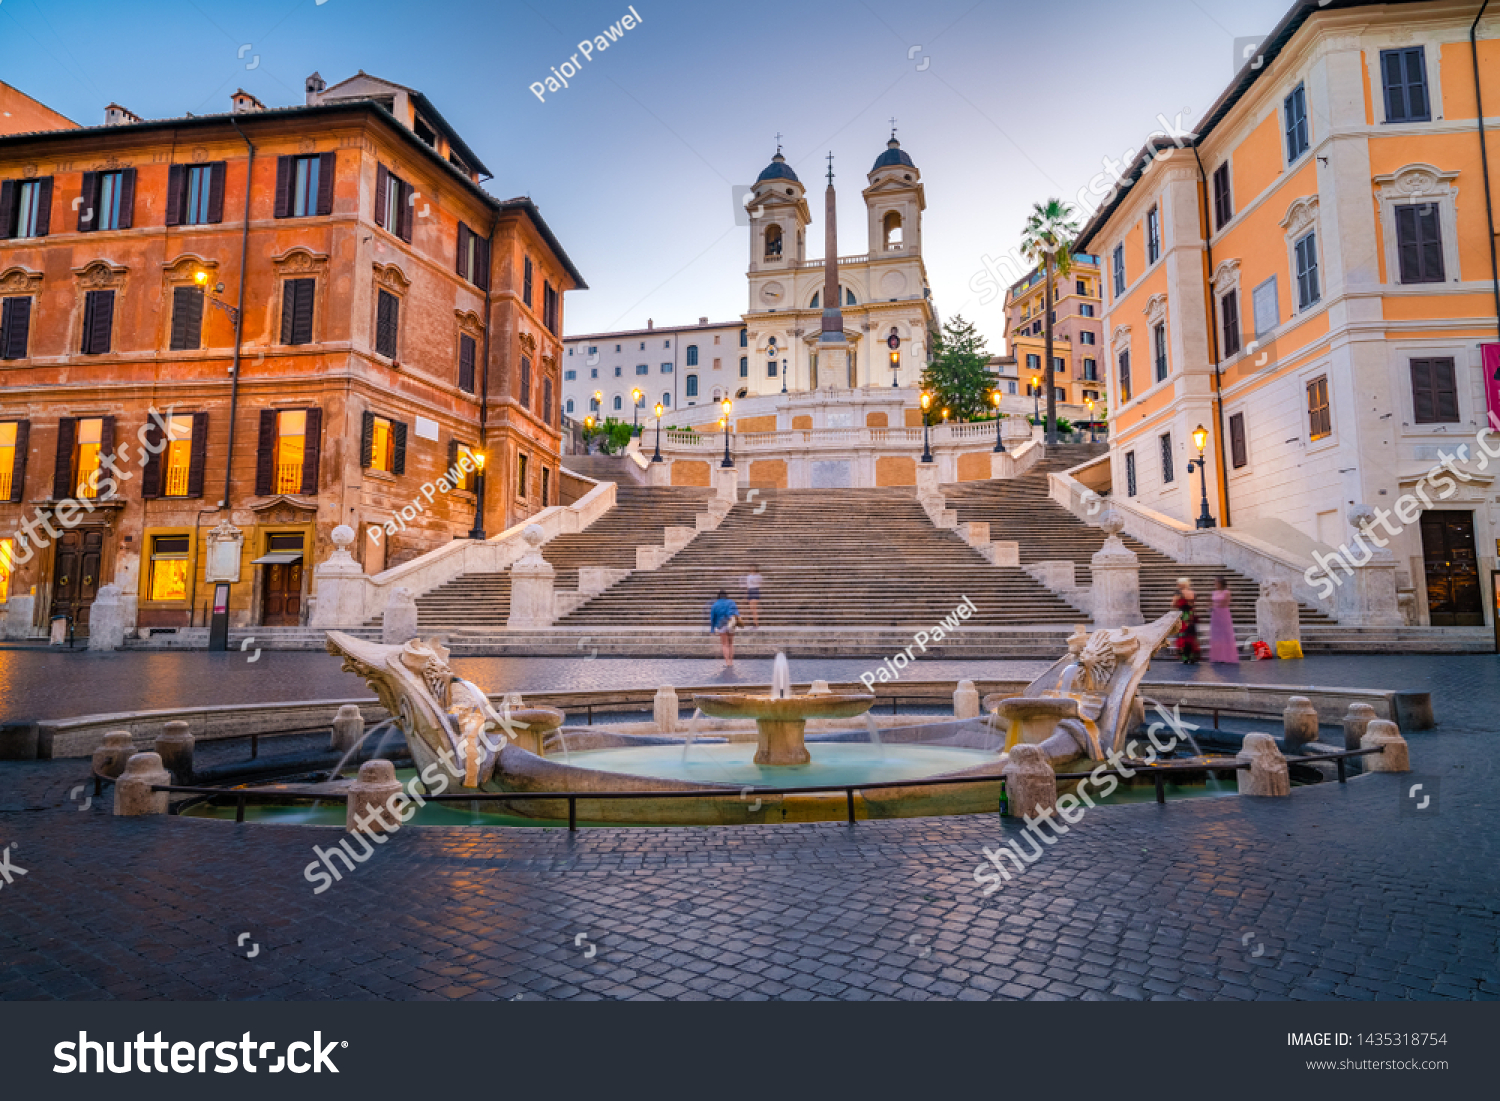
(288, 478)
(5, 478)
(177, 482)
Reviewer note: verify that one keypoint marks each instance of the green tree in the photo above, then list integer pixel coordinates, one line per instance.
(1048, 242)
(958, 375)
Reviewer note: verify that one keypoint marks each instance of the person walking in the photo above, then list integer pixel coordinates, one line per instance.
(1221, 644)
(752, 594)
(723, 619)
(1187, 621)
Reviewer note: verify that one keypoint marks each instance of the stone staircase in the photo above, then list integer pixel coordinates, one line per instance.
(606, 468)
(846, 558)
(1021, 510)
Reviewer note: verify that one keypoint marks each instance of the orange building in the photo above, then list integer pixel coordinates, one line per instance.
(392, 316)
(1076, 333)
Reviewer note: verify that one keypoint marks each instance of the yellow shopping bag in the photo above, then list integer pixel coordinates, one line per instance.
(1288, 650)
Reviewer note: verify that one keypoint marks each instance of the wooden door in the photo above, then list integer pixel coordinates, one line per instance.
(1452, 566)
(283, 595)
(75, 574)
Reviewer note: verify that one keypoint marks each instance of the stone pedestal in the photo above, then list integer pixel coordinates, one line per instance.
(1384, 735)
(659, 474)
(1117, 579)
(1030, 782)
(781, 742)
(1267, 774)
(820, 688)
(726, 485)
(1276, 614)
(665, 709)
(1356, 722)
(928, 483)
(966, 700)
(1015, 431)
(107, 624)
(1299, 724)
(348, 728)
(174, 745)
(1368, 597)
(133, 794)
(398, 624)
(15, 616)
(341, 585)
(531, 579)
(110, 758)
(376, 784)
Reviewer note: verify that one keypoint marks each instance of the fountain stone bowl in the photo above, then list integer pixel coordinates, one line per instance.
(781, 721)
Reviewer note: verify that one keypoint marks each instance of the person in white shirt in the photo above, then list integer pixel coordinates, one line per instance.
(752, 594)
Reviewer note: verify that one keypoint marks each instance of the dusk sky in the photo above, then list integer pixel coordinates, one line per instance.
(634, 164)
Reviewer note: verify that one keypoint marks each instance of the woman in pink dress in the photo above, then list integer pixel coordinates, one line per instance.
(1221, 645)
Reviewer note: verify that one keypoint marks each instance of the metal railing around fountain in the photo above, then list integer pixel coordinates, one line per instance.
(1158, 772)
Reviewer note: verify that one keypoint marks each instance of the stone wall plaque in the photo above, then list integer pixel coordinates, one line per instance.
(225, 543)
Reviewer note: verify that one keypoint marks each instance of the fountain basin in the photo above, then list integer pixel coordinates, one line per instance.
(836, 763)
(781, 721)
(1034, 718)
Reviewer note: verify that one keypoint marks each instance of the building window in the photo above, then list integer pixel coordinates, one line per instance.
(1033, 362)
(1319, 423)
(546, 485)
(524, 392)
(1238, 456)
(113, 195)
(1223, 208)
(643, 368)
(1434, 390)
(1165, 441)
(666, 368)
(692, 386)
(297, 310)
(1059, 365)
(1229, 313)
(1153, 235)
(187, 319)
(1124, 377)
(744, 338)
(15, 328)
(1086, 309)
(1087, 336)
(1130, 473)
(391, 205)
(744, 366)
(718, 363)
(1267, 307)
(1082, 288)
(526, 289)
(550, 302)
(169, 568)
(474, 259)
(88, 446)
(1159, 346)
(7, 567)
(771, 369)
(1419, 243)
(176, 458)
(692, 355)
(643, 348)
(570, 376)
(98, 322)
(1405, 76)
(12, 460)
(382, 444)
(619, 371)
(522, 462)
(1295, 110)
(617, 347)
(387, 323)
(1119, 265)
(467, 349)
(26, 207)
(1090, 371)
(289, 439)
(619, 402)
(593, 349)
(199, 189)
(1307, 270)
(593, 372)
(570, 405)
(297, 187)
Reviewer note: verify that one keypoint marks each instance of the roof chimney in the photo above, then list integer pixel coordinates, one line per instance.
(703, 321)
(115, 115)
(650, 324)
(315, 85)
(243, 101)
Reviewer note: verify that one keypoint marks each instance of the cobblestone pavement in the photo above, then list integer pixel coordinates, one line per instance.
(1333, 893)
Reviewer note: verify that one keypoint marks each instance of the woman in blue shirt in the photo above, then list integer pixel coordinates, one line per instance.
(723, 618)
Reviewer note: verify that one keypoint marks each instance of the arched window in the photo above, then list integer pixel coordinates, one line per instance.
(742, 393)
(619, 402)
(594, 404)
(570, 405)
(692, 355)
(813, 305)
(718, 394)
(692, 386)
(773, 242)
(666, 400)
(892, 229)
(849, 297)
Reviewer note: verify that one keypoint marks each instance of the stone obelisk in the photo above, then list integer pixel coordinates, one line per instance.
(833, 350)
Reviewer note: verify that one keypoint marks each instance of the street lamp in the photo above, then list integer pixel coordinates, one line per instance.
(999, 417)
(726, 406)
(1089, 404)
(783, 376)
(657, 457)
(477, 532)
(926, 446)
(1200, 438)
(1036, 402)
(635, 407)
(201, 278)
(895, 366)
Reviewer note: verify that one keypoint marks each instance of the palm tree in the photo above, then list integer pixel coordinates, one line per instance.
(1048, 243)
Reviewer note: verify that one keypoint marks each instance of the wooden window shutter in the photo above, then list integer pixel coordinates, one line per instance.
(366, 439)
(1237, 451)
(62, 470)
(198, 454)
(88, 212)
(482, 262)
(107, 436)
(7, 209)
(284, 166)
(15, 324)
(1445, 390)
(547, 400)
(1407, 246)
(453, 459)
(1422, 391)
(44, 206)
(216, 173)
(381, 176)
(127, 198)
(398, 428)
(18, 465)
(326, 168)
(462, 264)
(151, 449)
(176, 193)
(265, 453)
(187, 318)
(466, 348)
(403, 215)
(98, 321)
(312, 450)
(297, 311)
(387, 323)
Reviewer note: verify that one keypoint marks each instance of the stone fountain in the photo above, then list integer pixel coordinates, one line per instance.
(781, 718)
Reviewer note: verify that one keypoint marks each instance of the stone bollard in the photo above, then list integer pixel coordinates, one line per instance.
(1299, 724)
(376, 784)
(665, 709)
(1267, 774)
(532, 602)
(111, 757)
(398, 623)
(1030, 782)
(820, 688)
(1360, 716)
(133, 794)
(174, 745)
(1385, 735)
(966, 700)
(348, 728)
(1116, 572)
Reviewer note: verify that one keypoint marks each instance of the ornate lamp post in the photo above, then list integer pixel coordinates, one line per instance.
(1089, 404)
(599, 402)
(1036, 400)
(999, 419)
(477, 531)
(726, 406)
(926, 446)
(895, 367)
(1200, 438)
(656, 458)
(635, 408)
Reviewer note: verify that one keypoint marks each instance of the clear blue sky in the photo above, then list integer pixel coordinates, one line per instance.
(633, 165)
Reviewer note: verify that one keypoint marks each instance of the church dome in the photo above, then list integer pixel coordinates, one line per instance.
(778, 169)
(892, 156)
